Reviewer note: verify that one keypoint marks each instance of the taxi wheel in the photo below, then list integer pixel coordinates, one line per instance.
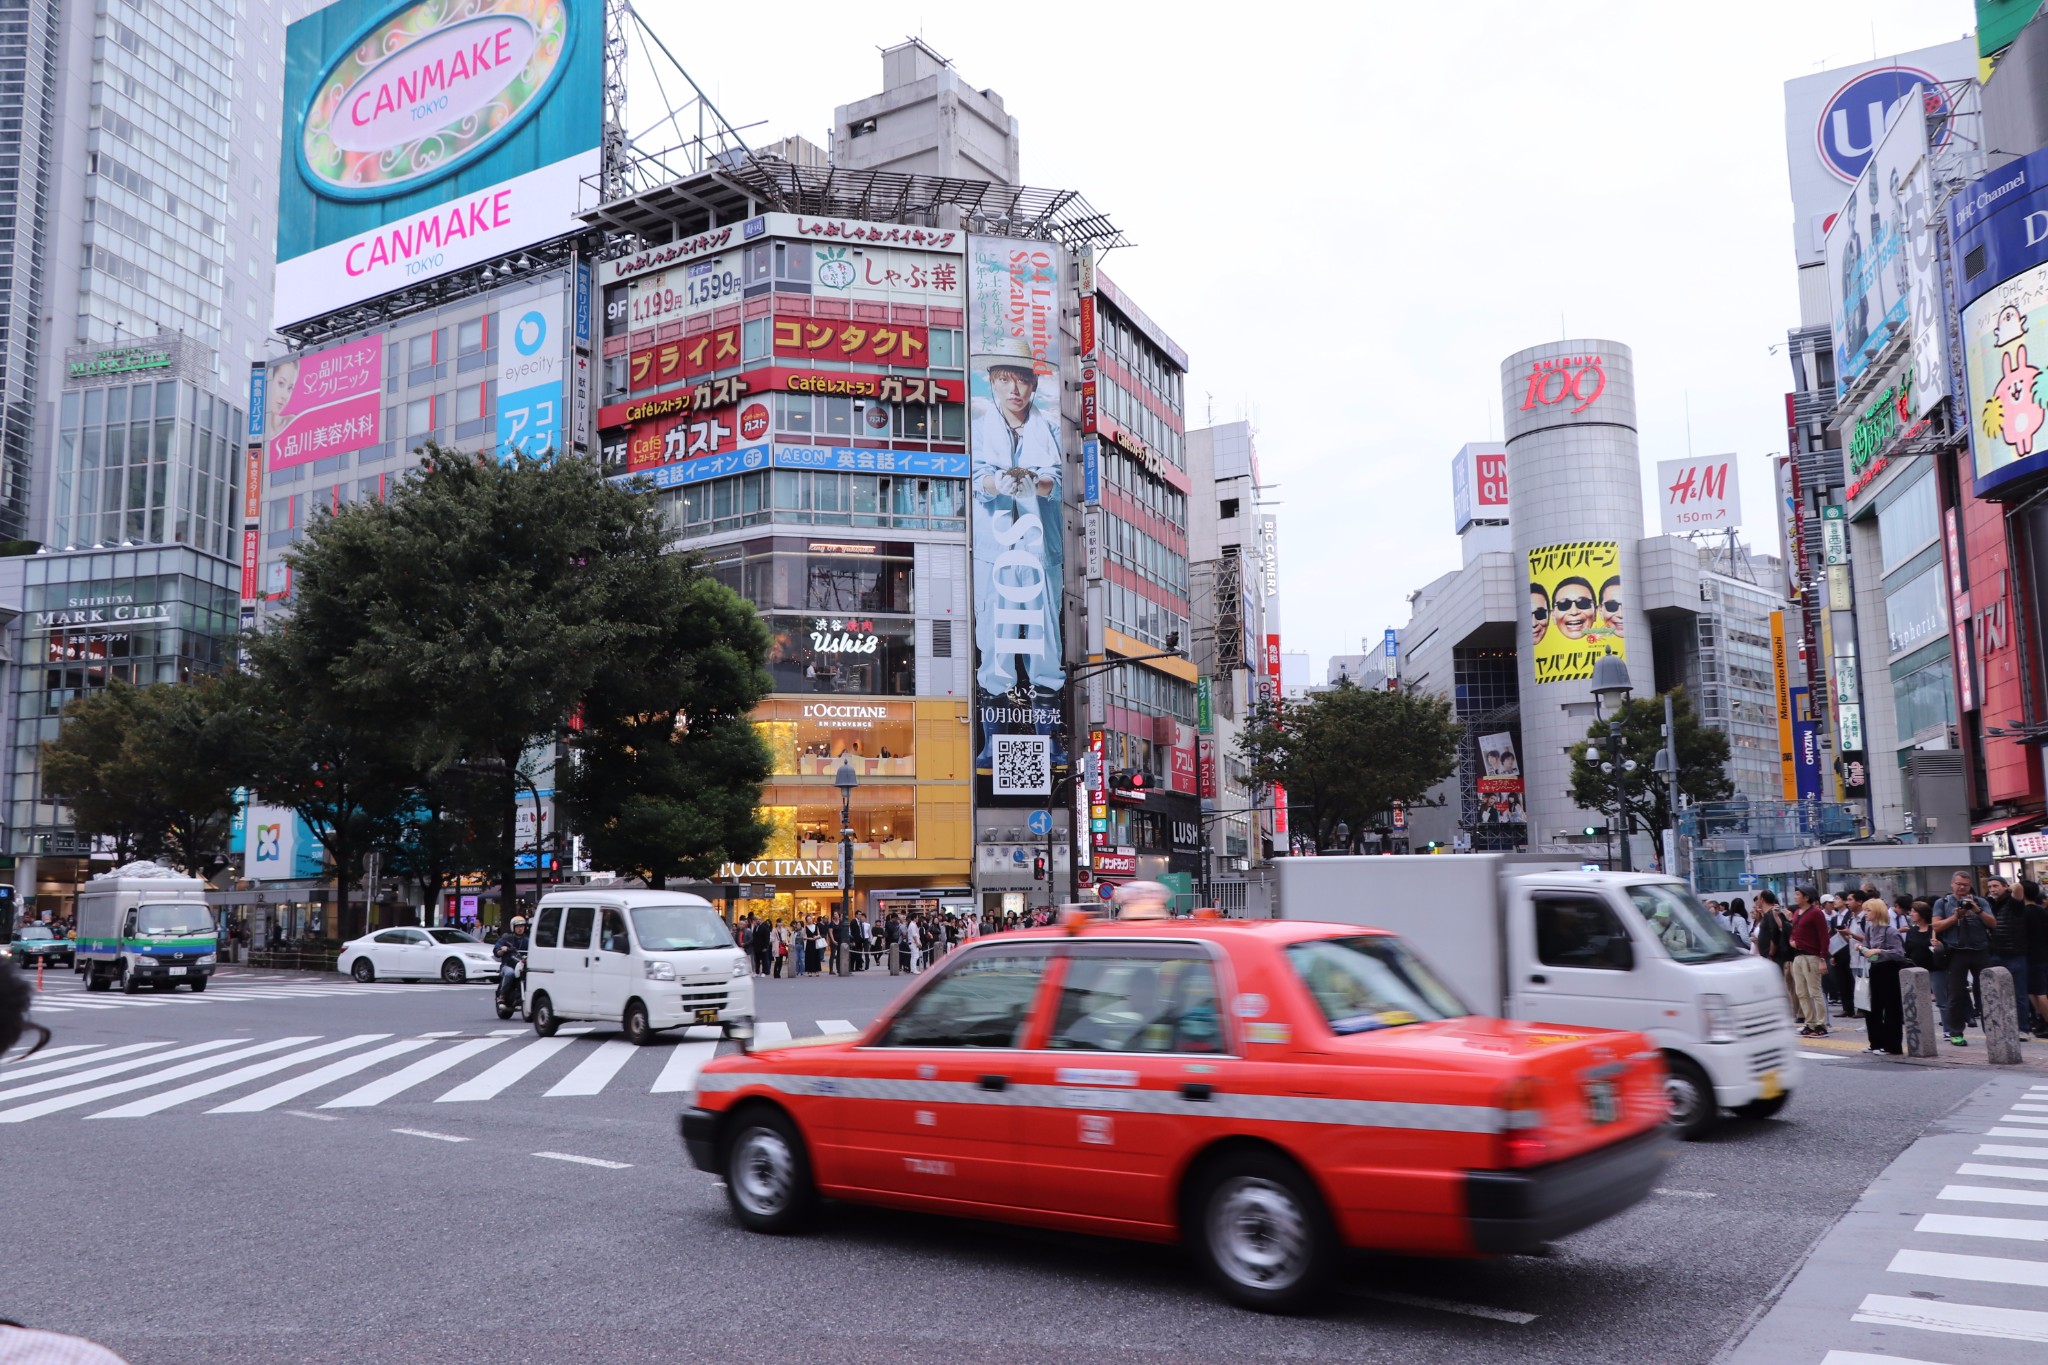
(1693, 1109)
(767, 1172)
(1262, 1232)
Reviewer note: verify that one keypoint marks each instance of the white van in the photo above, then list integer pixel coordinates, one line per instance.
(644, 960)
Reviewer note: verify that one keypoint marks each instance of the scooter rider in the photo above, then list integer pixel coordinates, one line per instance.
(511, 946)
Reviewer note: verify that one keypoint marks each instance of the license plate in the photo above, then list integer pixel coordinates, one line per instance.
(707, 1016)
(1600, 1101)
(1768, 1086)
(177, 971)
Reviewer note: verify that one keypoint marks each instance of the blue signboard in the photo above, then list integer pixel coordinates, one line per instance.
(1852, 123)
(259, 388)
(2000, 234)
(1091, 470)
(703, 467)
(861, 461)
(1805, 746)
(1393, 643)
(583, 303)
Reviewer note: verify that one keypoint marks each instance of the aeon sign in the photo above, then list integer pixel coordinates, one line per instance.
(1852, 123)
(427, 90)
(1576, 380)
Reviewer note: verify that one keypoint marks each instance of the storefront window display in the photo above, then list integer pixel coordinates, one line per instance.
(883, 820)
(851, 655)
(812, 739)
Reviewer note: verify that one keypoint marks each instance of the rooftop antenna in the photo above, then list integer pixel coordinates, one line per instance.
(1688, 424)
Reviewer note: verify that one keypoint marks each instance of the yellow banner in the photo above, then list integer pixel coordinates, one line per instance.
(1575, 608)
(1781, 681)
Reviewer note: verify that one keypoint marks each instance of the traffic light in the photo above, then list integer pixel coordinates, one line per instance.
(1038, 868)
(1595, 831)
(1130, 781)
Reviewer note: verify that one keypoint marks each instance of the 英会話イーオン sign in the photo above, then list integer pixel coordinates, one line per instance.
(422, 137)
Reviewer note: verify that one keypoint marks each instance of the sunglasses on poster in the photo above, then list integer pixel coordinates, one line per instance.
(1610, 604)
(1575, 604)
(1539, 613)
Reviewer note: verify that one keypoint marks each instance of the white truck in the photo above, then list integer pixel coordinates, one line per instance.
(1523, 937)
(145, 925)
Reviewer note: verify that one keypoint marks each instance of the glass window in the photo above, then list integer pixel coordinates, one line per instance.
(1138, 1004)
(452, 936)
(1909, 523)
(419, 352)
(1924, 699)
(1581, 931)
(984, 1000)
(469, 337)
(576, 927)
(1916, 611)
(469, 403)
(679, 928)
(883, 820)
(544, 930)
(1371, 981)
(1682, 924)
(612, 934)
(812, 738)
(393, 936)
(844, 654)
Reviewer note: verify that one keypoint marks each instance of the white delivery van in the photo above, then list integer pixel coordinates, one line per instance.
(644, 960)
(1521, 937)
(145, 925)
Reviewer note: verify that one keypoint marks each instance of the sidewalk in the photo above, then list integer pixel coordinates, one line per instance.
(1847, 1038)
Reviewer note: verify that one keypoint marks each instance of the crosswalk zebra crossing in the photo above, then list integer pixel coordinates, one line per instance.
(73, 998)
(241, 1075)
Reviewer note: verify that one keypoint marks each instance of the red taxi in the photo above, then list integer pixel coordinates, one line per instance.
(1268, 1092)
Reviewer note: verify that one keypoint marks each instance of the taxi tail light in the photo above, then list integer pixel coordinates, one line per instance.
(1521, 1123)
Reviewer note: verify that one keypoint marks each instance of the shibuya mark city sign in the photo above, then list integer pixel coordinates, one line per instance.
(424, 137)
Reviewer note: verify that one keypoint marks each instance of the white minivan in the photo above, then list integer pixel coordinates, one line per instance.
(644, 960)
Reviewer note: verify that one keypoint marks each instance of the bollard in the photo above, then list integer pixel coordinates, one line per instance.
(2001, 1017)
(1916, 998)
(895, 967)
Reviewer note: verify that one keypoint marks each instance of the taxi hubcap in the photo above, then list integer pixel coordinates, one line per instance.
(761, 1167)
(1258, 1233)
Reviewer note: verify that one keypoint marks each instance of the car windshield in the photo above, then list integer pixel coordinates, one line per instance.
(35, 931)
(1682, 924)
(454, 936)
(173, 919)
(678, 928)
(1371, 982)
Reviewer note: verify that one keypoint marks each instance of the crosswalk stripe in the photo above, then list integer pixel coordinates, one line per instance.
(213, 1085)
(1963, 1225)
(685, 1060)
(2002, 1172)
(2032, 1108)
(488, 1084)
(98, 1092)
(2034, 1133)
(426, 1068)
(1865, 1358)
(1985, 1194)
(49, 1052)
(1949, 1265)
(2017, 1117)
(313, 1080)
(772, 1031)
(84, 1077)
(834, 1026)
(1964, 1319)
(38, 1068)
(595, 1072)
(2030, 1153)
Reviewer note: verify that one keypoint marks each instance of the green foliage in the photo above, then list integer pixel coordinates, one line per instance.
(1348, 754)
(154, 768)
(1702, 761)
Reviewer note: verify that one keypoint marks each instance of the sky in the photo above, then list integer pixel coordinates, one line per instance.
(1349, 222)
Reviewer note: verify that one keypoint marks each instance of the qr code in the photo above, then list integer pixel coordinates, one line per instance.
(1023, 765)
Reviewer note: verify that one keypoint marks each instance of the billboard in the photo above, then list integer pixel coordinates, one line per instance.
(1869, 261)
(1701, 494)
(1833, 121)
(1479, 485)
(530, 345)
(1499, 783)
(2000, 225)
(1580, 615)
(326, 403)
(1017, 488)
(425, 137)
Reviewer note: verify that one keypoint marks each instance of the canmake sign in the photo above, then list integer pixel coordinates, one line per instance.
(429, 90)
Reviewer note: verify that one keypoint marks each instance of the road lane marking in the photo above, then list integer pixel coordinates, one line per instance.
(586, 1161)
(2001, 1172)
(444, 1033)
(213, 1085)
(40, 1068)
(685, 1060)
(773, 1031)
(595, 1072)
(421, 1132)
(487, 1084)
(836, 1026)
(1823, 1056)
(425, 1069)
(576, 1030)
(1961, 1319)
(2030, 1153)
(1985, 1194)
(59, 1082)
(313, 1080)
(507, 1032)
(1470, 1310)
(78, 1097)
(1964, 1225)
(1686, 1194)
(1950, 1265)
(1865, 1358)
(324, 1118)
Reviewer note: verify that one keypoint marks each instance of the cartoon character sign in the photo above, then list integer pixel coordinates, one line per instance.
(1579, 584)
(2006, 387)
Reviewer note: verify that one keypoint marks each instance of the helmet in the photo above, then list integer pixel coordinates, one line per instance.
(519, 921)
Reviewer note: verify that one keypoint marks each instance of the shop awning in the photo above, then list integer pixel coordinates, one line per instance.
(2010, 822)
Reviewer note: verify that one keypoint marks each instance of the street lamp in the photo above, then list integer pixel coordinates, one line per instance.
(845, 780)
(1611, 688)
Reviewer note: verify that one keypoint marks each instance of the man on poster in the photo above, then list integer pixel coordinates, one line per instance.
(1017, 478)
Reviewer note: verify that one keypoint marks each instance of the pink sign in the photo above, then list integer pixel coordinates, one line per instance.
(330, 403)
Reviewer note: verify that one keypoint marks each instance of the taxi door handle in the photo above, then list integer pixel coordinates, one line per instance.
(995, 1082)
(1539, 979)
(1195, 1090)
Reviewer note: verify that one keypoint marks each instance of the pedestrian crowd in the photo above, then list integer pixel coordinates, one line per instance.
(796, 946)
(1844, 952)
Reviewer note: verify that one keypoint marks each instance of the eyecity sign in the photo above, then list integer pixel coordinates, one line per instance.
(424, 136)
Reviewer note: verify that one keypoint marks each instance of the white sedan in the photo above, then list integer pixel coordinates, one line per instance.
(415, 954)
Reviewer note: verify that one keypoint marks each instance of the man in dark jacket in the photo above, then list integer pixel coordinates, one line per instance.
(1810, 934)
(1963, 922)
(2009, 944)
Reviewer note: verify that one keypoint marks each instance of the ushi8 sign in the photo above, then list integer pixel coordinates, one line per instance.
(425, 137)
(1575, 608)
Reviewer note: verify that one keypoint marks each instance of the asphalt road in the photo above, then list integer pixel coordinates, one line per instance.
(510, 1207)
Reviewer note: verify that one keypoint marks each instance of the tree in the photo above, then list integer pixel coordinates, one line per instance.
(1702, 762)
(1348, 754)
(154, 768)
(666, 768)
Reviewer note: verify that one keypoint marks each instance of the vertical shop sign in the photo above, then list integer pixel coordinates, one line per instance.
(252, 485)
(1270, 687)
(1788, 779)
(1205, 716)
(1959, 612)
(251, 540)
(530, 379)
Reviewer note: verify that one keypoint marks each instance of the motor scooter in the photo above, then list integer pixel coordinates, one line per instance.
(511, 993)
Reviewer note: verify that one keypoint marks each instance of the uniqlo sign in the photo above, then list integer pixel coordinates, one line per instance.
(1490, 480)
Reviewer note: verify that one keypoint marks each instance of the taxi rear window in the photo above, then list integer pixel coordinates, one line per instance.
(1371, 982)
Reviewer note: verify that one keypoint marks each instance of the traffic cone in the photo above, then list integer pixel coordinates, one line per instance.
(39, 973)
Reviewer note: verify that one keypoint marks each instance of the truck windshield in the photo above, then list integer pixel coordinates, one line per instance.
(1371, 982)
(679, 928)
(173, 919)
(1682, 924)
